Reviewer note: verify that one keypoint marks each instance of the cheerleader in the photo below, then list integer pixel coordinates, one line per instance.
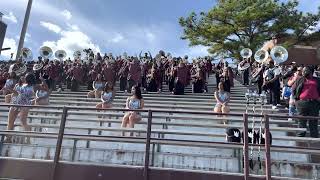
(9, 85)
(23, 95)
(107, 97)
(222, 97)
(134, 102)
(43, 93)
(98, 86)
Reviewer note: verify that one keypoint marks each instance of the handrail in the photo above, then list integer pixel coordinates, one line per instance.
(149, 131)
(167, 111)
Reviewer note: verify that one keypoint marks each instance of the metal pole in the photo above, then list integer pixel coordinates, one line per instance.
(267, 147)
(59, 141)
(245, 147)
(147, 153)
(24, 28)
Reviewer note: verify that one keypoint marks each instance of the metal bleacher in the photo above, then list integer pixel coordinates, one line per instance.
(185, 134)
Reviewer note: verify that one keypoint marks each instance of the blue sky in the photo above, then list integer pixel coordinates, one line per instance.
(115, 26)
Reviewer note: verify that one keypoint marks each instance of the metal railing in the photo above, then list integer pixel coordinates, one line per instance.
(149, 140)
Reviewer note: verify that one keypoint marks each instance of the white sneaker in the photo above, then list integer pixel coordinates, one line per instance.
(290, 119)
(274, 107)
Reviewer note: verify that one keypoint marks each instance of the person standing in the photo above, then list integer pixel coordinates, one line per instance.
(306, 92)
(271, 82)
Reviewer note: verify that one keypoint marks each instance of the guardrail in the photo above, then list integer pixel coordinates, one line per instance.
(148, 140)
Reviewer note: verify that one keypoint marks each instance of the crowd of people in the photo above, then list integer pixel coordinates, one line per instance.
(32, 83)
(295, 85)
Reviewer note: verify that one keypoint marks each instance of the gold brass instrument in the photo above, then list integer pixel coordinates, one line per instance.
(46, 52)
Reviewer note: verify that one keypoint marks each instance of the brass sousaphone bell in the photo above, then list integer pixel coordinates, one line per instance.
(245, 54)
(45, 52)
(279, 54)
(261, 56)
(77, 54)
(60, 54)
(26, 54)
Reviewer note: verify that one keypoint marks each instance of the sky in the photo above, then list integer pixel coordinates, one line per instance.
(114, 26)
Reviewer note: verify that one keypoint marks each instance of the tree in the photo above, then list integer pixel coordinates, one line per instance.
(234, 24)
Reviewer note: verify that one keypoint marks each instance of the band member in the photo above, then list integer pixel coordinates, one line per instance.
(92, 77)
(77, 76)
(23, 96)
(245, 72)
(108, 73)
(198, 82)
(257, 77)
(134, 102)
(43, 93)
(272, 83)
(107, 97)
(217, 72)
(181, 80)
(123, 75)
(172, 76)
(134, 74)
(153, 79)
(98, 86)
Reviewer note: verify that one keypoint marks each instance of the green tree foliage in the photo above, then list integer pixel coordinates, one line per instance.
(234, 24)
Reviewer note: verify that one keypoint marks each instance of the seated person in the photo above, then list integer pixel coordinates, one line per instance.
(107, 97)
(134, 102)
(42, 94)
(98, 86)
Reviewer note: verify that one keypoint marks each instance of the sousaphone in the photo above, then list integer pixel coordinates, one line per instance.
(45, 52)
(261, 56)
(279, 54)
(77, 55)
(60, 54)
(26, 54)
(246, 53)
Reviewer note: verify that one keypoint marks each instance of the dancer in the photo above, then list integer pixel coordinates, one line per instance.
(134, 102)
(23, 96)
(107, 97)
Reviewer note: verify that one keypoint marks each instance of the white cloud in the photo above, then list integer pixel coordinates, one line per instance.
(193, 52)
(71, 41)
(150, 36)
(118, 37)
(11, 17)
(73, 27)
(9, 42)
(50, 26)
(66, 14)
